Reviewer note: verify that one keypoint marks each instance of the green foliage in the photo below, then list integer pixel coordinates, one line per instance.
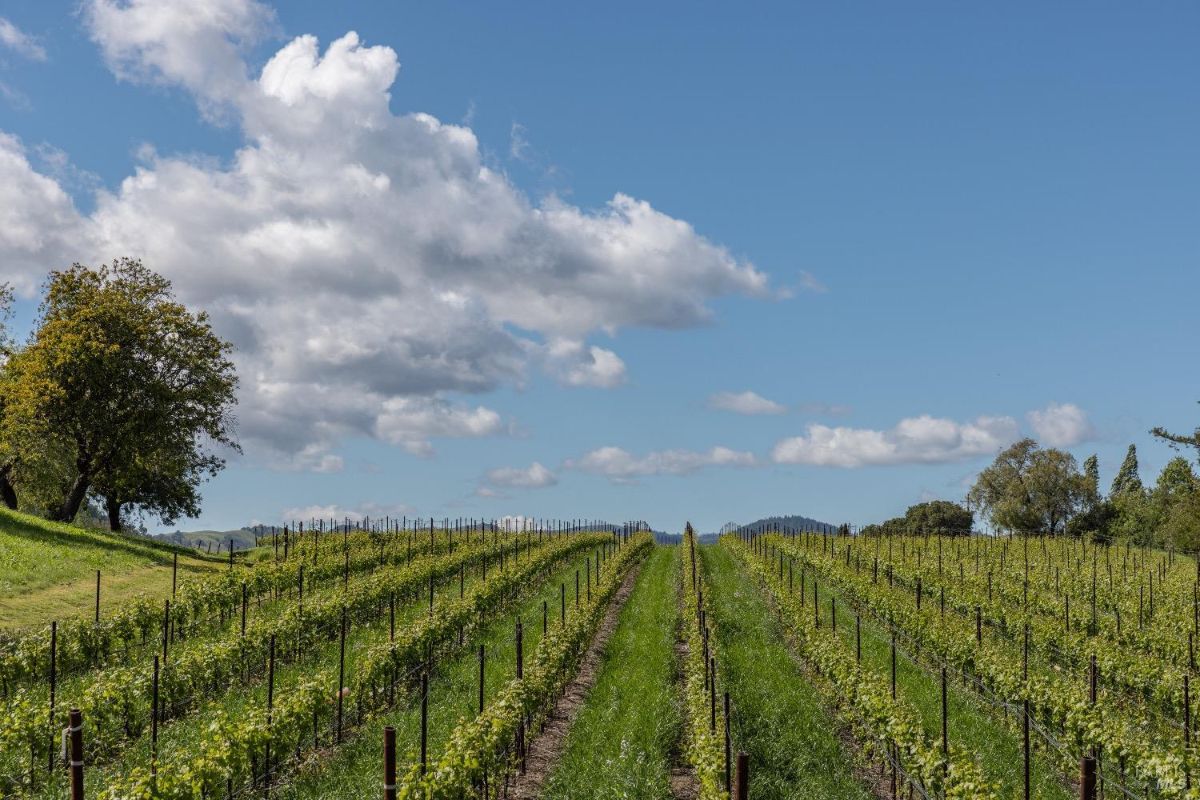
(939, 516)
(121, 391)
(1031, 490)
(1091, 470)
(1176, 498)
(1127, 480)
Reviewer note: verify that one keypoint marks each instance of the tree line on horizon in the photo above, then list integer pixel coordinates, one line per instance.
(119, 403)
(1031, 490)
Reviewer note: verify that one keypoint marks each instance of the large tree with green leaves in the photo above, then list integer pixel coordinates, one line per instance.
(1031, 490)
(939, 516)
(132, 389)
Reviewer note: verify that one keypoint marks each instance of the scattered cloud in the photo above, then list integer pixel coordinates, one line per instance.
(336, 512)
(745, 403)
(810, 283)
(369, 267)
(518, 142)
(1061, 425)
(20, 42)
(916, 440)
(623, 467)
(576, 364)
(535, 476)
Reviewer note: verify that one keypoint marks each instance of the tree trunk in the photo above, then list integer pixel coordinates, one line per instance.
(113, 506)
(74, 499)
(8, 492)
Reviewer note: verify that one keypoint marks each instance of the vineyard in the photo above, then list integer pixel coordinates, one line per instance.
(572, 660)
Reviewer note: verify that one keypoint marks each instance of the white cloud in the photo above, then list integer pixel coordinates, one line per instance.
(824, 409)
(576, 364)
(39, 226)
(623, 467)
(375, 511)
(367, 266)
(535, 476)
(20, 42)
(1061, 425)
(916, 440)
(745, 403)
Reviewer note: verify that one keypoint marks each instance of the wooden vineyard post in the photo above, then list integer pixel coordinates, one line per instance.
(424, 720)
(97, 595)
(154, 722)
(1087, 778)
(166, 629)
(833, 614)
(1187, 729)
(53, 681)
(589, 578)
(728, 751)
(1025, 743)
(978, 625)
(245, 598)
(712, 693)
(577, 588)
(858, 637)
(945, 731)
(389, 763)
(741, 786)
(341, 675)
(270, 708)
(562, 599)
(893, 665)
(174, 572)
(481, 658)
(76, 753)
(545, 618)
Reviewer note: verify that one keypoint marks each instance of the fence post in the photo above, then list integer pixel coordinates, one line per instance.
(341, 675)
(389, 763)
(424, 720)
(97, 595)
(741, 788)
(54, 680)
(154, 722)
(481, 657)
(728, 752)
(1087, 778)
(76, 753)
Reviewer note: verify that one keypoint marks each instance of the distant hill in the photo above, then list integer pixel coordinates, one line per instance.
(243, 539)
(790, 522)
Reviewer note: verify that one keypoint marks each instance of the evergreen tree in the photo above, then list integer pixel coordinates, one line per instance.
(1127, 481)
(1091, 471)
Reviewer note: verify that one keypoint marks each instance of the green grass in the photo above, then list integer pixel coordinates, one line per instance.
(620, 745)
(48, 569)
(779, 717)
(998, 747)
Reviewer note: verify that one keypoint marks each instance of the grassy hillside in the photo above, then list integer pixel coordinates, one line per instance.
(48, 570)
(243, 539)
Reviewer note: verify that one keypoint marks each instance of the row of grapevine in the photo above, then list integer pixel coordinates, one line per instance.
(885, 725)
(117, 700)
(236, 752)
(1155, 754)
(706, 745)
(483, 749)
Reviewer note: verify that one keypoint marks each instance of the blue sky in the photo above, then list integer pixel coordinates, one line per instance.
(959, 217)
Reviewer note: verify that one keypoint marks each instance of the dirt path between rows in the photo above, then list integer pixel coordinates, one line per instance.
(546, 749)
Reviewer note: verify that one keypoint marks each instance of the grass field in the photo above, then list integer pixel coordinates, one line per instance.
(48, 570)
